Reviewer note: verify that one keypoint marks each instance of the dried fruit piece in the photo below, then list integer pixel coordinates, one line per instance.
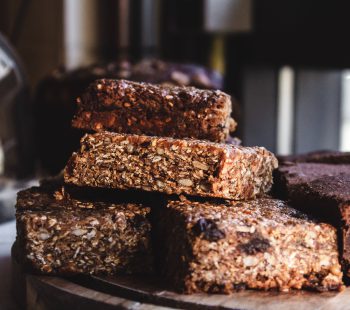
(208, 229)
(255, 245)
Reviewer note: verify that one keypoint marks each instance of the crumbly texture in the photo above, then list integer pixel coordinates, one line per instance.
(326, 157)
(172, 166)
(259, 244)
(323, 191)
(55, 99)
(139, 108)
(61, 235)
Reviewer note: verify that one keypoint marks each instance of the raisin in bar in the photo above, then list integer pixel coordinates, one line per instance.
(259, 244)
(140, 108)
(58, 234)
(322, 190)
(171, 166)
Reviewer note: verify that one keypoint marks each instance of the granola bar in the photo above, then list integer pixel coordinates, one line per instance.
(322, 190)
(259, 244)
(140, 108)
(58, 234)
(171, 166)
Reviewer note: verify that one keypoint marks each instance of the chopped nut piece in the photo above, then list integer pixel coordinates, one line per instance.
(185, 182)
(160, 151)
(160, 184)
(200, 165)
(44, 236)
(79, 232)
(250, 261)
(156, 159)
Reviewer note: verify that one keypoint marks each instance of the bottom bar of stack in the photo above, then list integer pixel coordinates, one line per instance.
(260, 244)
(60, 235)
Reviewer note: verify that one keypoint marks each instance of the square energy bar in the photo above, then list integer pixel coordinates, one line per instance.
(171, 166)
(58, 234)
(157, 110)
(222, 247)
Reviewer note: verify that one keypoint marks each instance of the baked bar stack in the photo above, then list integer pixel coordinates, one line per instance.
(225, 235)
(55, 99)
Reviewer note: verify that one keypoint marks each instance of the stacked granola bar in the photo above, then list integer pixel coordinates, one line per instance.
(213, 227)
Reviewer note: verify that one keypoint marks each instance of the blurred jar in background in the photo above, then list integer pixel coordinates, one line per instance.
(16, 131)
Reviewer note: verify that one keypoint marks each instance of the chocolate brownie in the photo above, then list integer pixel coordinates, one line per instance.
(289, 175)
(326, 157)
(171, 166)
(259, 244)
(322, 190)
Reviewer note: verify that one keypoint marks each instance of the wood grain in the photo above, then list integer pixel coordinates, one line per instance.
(144, 293)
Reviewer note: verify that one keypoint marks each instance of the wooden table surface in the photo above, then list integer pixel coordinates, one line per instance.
(149, 293)
(131, 292)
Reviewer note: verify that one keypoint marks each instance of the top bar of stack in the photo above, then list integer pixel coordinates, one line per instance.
(140, 108)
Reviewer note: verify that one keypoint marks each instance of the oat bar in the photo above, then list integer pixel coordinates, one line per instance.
(140, 108)
(259, 244)
(172, 166)
(58, 234)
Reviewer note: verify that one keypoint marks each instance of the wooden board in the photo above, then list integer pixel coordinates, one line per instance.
(131, 292)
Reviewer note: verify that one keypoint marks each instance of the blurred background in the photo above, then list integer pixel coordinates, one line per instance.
(284, 62)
